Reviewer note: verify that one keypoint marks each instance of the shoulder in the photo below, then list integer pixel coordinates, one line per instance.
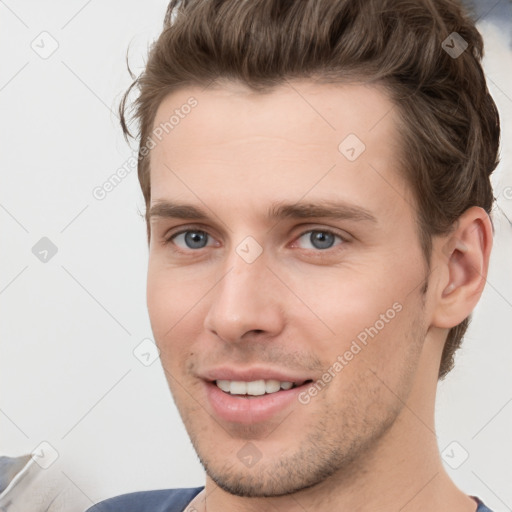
(481, 506)
(165, 500)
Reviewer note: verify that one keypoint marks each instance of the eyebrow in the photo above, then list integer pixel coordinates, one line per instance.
(327, 209)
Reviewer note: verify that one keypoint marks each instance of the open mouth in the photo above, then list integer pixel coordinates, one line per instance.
(256, 388)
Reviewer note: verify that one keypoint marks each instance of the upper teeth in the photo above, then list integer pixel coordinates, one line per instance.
(255, 387)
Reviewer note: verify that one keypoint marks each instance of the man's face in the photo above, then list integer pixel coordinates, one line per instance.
(246, 296)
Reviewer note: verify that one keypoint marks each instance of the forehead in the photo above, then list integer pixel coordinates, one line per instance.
(303, 111)
(302, 138)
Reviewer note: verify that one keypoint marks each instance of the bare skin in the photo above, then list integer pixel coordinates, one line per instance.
(367, 440)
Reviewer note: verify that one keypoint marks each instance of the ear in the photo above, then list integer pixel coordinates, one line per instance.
(463, 260)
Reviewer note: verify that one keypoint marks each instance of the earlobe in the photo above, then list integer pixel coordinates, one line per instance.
(463, 261)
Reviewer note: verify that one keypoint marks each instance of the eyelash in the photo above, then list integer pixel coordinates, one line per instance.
(169, 239)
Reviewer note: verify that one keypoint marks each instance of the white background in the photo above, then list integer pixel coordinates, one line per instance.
(69, 326)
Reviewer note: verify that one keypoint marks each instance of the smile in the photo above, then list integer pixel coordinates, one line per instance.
(255, 387)
(250, 402)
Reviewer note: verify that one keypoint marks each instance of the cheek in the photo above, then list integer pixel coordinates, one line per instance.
(160, 297)
(366, 315)
(342, 303)
(167, 304)
(175, 309)
(171, 295)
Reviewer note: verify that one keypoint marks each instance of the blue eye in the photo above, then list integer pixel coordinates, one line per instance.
(194, 239)
(320, 239)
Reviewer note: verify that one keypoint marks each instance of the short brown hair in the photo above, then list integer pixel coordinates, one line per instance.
(450, 124)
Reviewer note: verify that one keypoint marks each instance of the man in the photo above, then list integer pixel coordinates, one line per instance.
(316, 176)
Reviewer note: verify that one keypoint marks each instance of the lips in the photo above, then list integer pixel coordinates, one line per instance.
(253, 374)
(255, 387)
(245, 402)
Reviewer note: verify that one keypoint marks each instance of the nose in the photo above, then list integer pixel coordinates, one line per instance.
(245, 302)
